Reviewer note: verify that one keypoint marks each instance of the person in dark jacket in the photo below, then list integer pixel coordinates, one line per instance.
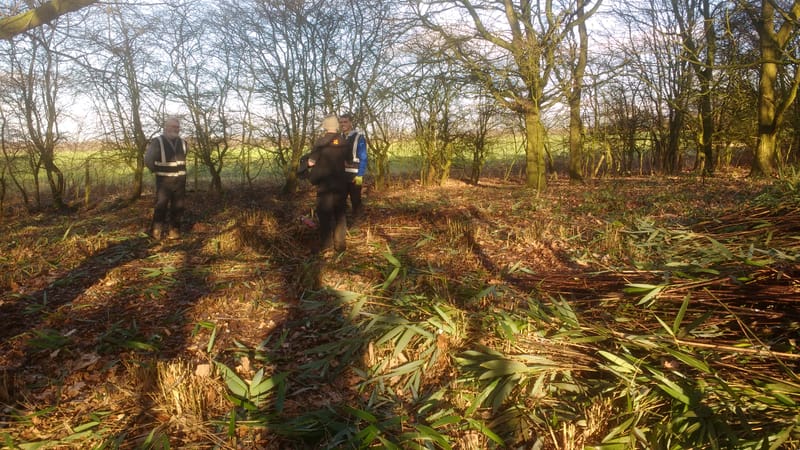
(326, 171)
(356, 164)
(166, 158)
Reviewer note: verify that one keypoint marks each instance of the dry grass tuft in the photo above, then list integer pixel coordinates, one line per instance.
(185, 396)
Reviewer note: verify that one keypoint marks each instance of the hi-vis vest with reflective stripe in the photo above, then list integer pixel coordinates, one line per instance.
(352, 165)
(166, 168)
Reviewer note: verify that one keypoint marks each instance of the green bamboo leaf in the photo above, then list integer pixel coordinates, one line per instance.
(256, 379)
(446, 420)
(77, 436)
(690, 360)
(565, 312)
(211, 340)
(485, 292)
(391, 334)
(392, 260)
(783, 386)
(404, 340)
(392, 276)
(639, 288)
(650, 297)
(759, 262)
(720, 248)
(426, 433)
(478, 401)
(85, 426)
(672, 389)
(363, 415)
(619, 363)
(697, 322)
(446, 317)
(786, 400)
(367, 435)
(619, 434)
(503, 391)
(405, 368)
(473, 355)
(266, 385)
(486, 431)
(138, 345)
(499, 368)
(664, 326)
(782, 437)
(152, 272)
(387, 444)
(356, 308)
(232, 380)
(676, 324)
(203, 324)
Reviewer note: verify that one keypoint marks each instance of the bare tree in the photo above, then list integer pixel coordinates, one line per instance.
(202, 80)
(510, 48)
(430, 91)
(777, 31)
(485, 113)
(35, 80)
(570, 73)
(115, 57)
(701, 53)
(290, 51)
(657, 56)
(366, 62)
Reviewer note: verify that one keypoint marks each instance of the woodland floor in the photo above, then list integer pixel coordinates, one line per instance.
(89, 303)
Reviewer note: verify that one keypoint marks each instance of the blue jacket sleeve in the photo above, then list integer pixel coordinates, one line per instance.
(361, 152)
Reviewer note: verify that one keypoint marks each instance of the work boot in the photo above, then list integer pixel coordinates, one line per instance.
(157, 232)
(340, 237)
(339, 243)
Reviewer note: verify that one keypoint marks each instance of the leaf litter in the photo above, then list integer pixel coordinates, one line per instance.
(626, 255)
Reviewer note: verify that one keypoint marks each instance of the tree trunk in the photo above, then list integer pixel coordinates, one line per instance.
(47, 12)
(535, 171)
(138, 180)
(771, 109)
(706, 76)
(379, 162)
(575, 123)
(139, 137)
(763, 163)
(55, 179)
(216, 181)
(672, 153)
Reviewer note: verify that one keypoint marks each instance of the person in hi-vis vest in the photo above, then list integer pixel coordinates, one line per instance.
(356, 164)
(166, 158)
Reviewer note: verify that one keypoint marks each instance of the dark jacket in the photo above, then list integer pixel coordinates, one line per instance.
(328, 156)
(165, 157)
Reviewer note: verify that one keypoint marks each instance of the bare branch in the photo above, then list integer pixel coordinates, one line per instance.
(46, 13)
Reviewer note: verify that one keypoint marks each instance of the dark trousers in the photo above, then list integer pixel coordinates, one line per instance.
(170, 200)
(331, 208)
(354, 192)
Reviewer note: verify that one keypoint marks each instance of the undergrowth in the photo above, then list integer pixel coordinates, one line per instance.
(662, 329)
